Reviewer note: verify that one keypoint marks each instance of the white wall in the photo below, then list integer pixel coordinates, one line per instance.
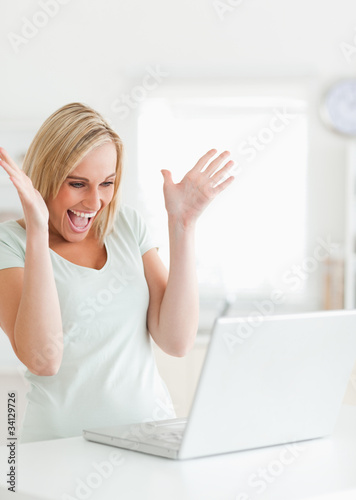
(95, 52)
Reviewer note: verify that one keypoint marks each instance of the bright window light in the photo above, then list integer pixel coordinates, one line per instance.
(255, 230)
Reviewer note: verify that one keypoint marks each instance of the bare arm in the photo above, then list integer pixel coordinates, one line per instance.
(38, 329)
(173, 312)
(30, 311)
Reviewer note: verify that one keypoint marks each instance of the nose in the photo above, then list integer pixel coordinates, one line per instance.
(92, 200)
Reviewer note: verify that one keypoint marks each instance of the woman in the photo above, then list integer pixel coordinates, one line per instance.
(82, 285)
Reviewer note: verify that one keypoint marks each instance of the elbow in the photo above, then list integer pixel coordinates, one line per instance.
(179, 350)
(44, 361)
(173, 344)
(179, 353)
(41, 367)
(48, 371)
(46, 368)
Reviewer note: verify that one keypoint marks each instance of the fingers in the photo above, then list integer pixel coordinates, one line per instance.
(215, 164)
(7, 163)
(223, 185)
(222, 172)
(8, 168)
(221, 179)
(204, 160)
(212, 174)
(20, 180)
(5, 156)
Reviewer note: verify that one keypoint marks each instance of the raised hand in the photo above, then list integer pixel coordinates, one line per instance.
(34, 207)
(187, 199)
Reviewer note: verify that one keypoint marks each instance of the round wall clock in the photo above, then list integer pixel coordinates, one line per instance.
(338, 108)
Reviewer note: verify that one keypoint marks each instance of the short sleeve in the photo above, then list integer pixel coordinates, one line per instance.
(145, 240)
(11, 252)
(141, 230)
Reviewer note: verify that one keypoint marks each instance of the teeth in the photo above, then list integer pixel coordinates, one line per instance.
(82, 214)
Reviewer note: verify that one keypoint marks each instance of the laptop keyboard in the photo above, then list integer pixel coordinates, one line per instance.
(170, 431)
(169, 436)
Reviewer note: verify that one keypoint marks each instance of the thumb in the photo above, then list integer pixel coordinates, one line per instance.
(167, 175)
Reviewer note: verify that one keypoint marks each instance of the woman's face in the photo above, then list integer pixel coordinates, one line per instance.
(83, 195)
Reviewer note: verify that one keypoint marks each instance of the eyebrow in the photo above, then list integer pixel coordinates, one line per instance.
(84, 179)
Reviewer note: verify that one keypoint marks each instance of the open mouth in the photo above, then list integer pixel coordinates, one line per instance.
(80, 221)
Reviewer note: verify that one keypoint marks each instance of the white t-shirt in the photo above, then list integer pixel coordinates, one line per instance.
(108, 374)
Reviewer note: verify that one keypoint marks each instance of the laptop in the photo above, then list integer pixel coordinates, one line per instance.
(268, 381)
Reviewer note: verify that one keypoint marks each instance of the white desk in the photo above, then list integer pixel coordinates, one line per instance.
(318, 469)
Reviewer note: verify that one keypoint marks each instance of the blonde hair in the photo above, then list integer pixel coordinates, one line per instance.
(61, 143)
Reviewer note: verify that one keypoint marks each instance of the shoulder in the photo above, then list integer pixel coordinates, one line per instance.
(130, 217)
(11, 231)
(131, 226)
(127, 212)
(12, 242)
